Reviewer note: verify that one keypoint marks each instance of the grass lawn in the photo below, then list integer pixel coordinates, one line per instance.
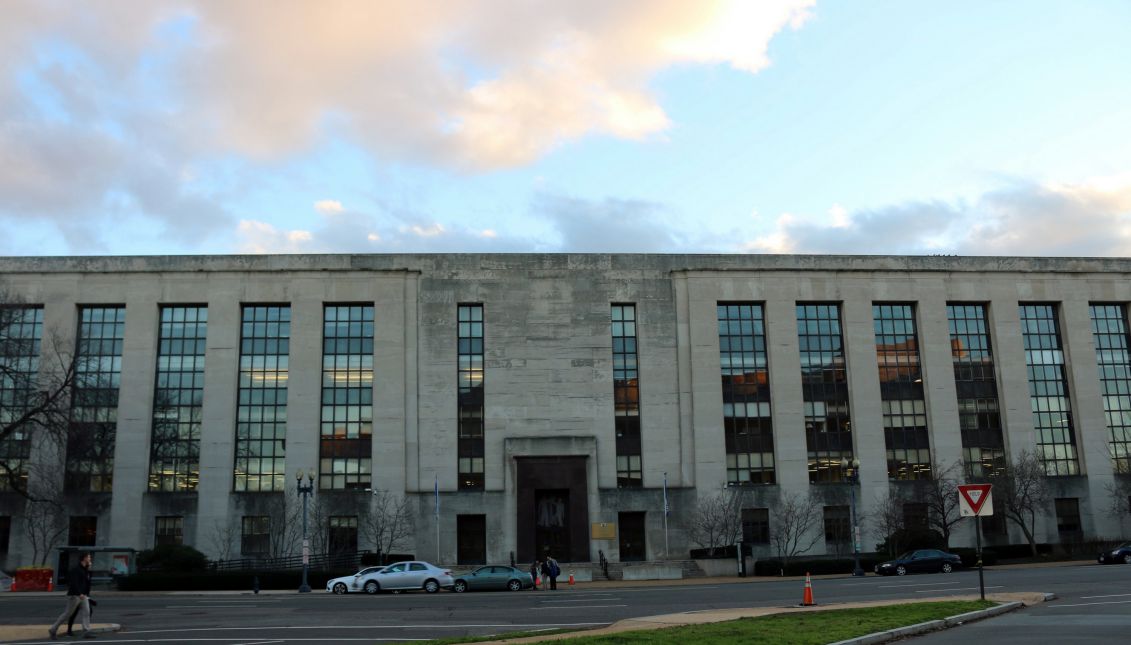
(809, 628)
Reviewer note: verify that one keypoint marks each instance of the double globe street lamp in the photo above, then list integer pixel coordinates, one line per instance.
(852, 476)
(306, 491)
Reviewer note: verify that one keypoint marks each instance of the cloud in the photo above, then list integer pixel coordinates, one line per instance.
(1088, 218)
(328, 206)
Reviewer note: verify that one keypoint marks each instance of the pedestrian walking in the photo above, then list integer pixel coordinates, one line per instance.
(71, 621)
(78, 592)
(535, 570)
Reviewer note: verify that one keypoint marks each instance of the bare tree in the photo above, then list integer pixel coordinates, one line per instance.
(387, 524)
(1020, 492)
(36, 387)
(888, 516)
(222, 536)
(45, 525)
(717, 520)
(286, 527)
(1119, 498)
(940, 494)
(795, 525)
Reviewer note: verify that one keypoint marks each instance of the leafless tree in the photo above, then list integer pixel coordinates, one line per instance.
(1020, 493)
(286, 527)
(795, 524)
(940, 494)
(387, 524)
(45, 525)
(1119, 498)
(36, 381)
(717, 520)
(222, 537)
(888, 517)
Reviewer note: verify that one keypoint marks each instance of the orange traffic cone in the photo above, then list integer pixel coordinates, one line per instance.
(537, 582)
(571, 578)
(807, 598)
(50, 584)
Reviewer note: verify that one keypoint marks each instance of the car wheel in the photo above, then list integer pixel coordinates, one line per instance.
(431, 586)
(1127, 559)
(514, 585)
(340, 588)
(460, 586)
(901, 570)
(372, 587)
(946, 568)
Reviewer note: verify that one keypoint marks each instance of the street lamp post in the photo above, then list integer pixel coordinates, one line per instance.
(306, 491)
(381, 528)
(853, 477)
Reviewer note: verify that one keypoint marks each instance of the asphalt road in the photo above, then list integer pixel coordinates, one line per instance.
(320, 617)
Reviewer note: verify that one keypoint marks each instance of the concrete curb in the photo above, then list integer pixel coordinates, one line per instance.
(935, 625)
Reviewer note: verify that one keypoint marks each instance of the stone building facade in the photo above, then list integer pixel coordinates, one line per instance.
(531, 402)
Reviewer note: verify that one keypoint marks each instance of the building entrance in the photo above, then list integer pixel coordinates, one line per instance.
(553, 509)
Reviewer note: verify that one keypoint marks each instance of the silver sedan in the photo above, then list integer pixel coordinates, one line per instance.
(412, 575)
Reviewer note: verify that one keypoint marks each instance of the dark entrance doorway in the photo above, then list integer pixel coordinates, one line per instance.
(471, 539)
(551, 522)
(630, 528)
(553, 509)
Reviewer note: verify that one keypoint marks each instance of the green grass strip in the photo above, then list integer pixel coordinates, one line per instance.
(808, 628)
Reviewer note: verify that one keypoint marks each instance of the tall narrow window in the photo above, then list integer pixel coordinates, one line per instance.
(174, 463)
(261, 421)
(82, 530)
(746, 394)
(255, 535)
(94, 403)
(21, 332)
(901, 392)
(1109, 330)
(342, 535)
(470, 375)
(1048, 389)
(983, 450)
(626, 397)
(346, 449)
(824, 390)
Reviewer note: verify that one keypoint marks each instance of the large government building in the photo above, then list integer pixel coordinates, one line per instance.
(514, 404)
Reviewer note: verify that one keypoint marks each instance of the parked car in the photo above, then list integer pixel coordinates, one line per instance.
(493, 577)
(409, 576)
(920, 561)
(359, 581)
(1121, 553)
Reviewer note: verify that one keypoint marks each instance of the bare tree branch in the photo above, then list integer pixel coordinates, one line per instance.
(387, 524)
(795, 525)
(717, 520)
(1020, 493)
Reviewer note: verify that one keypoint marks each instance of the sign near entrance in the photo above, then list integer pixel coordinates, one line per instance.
(603, 531)
(974, 500)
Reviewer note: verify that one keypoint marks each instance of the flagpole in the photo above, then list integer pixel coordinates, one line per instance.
(665, 516)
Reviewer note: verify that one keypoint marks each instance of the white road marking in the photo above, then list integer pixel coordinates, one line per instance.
(258, 643)
(210, 606)
(1114, 595)
(1085, 604)
(448, 626)
(957, 589)
(924, 584)
(590, 600)
(582, 607)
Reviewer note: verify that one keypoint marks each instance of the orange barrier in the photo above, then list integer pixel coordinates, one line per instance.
(571, 578)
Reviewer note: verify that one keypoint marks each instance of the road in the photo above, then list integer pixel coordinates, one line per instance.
(319, 617)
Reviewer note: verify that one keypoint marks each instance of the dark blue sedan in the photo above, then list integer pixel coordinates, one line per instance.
(1119, 555)
(920, 561)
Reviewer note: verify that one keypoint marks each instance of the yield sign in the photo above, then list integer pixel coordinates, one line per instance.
(975, 500)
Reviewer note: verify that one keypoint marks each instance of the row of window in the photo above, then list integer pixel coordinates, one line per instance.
(347, 380)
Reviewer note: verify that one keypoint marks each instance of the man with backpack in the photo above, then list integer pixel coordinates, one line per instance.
(552, 571)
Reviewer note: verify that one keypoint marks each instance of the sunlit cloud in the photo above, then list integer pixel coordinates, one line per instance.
(328, 206)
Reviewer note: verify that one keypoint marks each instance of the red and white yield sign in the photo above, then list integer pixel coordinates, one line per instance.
(975, 500)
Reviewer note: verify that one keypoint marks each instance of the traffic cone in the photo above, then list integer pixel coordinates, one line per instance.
(538, 582)
(807, 598)
(50, 584)
(571, 578)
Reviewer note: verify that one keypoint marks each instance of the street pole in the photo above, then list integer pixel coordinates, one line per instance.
(666, 551)
(981, 580)
(306, 492)
(853, 479)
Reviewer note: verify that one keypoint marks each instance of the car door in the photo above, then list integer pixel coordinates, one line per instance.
(499, 577)
(415, 576)
(479, 579)
(393, 576)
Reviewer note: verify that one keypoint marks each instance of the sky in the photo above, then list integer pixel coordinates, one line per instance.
(637, 126)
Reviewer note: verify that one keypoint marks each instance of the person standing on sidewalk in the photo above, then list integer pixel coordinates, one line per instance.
(534, 573)
(553, 570)
(78, 590)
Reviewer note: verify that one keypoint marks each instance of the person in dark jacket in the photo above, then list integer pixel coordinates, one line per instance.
(78, 592)
(535, 570)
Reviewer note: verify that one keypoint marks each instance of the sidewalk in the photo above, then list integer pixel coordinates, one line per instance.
(39, 632)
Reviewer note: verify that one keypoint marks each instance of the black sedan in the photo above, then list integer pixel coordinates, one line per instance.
(920, 561)
(1120, 554)
(493, 577)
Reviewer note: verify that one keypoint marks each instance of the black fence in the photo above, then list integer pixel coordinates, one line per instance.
(320, 561)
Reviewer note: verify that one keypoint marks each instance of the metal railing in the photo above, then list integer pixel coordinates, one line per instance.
(346, 560)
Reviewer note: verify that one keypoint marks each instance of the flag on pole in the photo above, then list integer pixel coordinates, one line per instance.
(436, 492)
(667, 507)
